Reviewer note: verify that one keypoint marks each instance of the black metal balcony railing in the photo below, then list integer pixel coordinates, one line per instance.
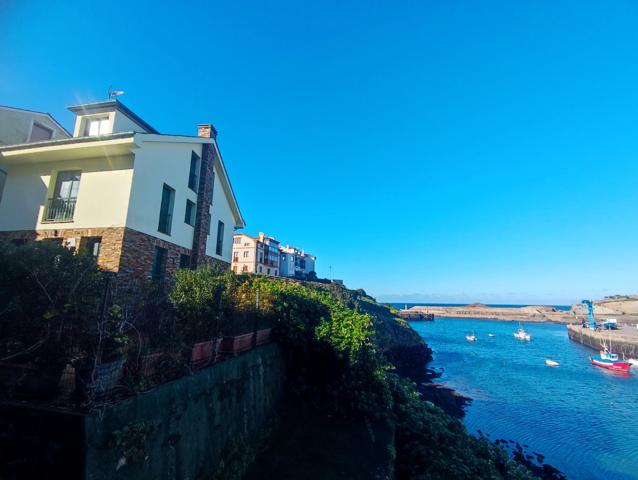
(60, 209)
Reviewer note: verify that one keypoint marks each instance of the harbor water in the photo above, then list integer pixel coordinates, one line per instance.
(582, 418)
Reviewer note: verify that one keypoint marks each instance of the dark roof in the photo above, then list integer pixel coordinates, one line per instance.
(106, 105)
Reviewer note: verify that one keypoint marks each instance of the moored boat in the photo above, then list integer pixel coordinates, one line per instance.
(470, 338)
(551, 363)
(610, 361)
(522, 335)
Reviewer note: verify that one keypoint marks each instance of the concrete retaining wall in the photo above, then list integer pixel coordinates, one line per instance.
(194, 420)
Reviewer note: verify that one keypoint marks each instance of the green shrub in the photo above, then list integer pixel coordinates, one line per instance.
(49, 298)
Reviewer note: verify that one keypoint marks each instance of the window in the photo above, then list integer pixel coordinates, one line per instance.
(184, 261)
(236, 257)
(61, 207)
(235, 269)
(220, 238)
(260, 269)
(40, 133)
(190, 213)
(91, 245)
(56, 240)
(159, 264)
(166, 210)
(96, 126)
(246, 253)
(193, 177)
(244, 268)
(275, 273)
(236, 241)
(269, 271)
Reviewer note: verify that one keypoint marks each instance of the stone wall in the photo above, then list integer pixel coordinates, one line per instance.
(138, 253)
(110, 247)
(204, 201)
(197, 420)
(123, 250)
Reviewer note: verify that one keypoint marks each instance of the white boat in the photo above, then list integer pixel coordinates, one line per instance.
(551, 363)
(633, 361)
(470, 338)
(490, 335)
(522, 335)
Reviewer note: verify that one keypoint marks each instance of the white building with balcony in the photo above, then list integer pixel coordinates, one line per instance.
(142, 202)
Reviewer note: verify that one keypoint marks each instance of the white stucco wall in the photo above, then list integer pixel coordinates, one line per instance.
(102, 200)
(15, 126)
(122, 123)
(156, 164)
(220, 211)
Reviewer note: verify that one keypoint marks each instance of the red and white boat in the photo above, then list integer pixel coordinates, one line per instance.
(610, 361)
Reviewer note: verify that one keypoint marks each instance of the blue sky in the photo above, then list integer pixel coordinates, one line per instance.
(441, 151)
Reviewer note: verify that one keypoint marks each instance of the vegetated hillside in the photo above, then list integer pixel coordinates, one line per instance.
(399, 343)
(336, 343)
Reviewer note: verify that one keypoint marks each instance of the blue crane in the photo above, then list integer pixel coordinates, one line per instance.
(590, 314)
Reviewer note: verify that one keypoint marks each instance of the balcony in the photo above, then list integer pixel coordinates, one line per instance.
(59, 209)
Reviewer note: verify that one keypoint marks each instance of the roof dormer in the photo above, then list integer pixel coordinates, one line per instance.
(105, 118)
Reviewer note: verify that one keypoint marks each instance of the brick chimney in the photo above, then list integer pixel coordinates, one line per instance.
(206, 130)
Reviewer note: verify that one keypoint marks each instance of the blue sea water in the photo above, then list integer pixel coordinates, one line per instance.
(584, 419)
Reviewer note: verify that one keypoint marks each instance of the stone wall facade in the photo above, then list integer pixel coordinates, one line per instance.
(123, 250)
(204, 201)
(110, 247)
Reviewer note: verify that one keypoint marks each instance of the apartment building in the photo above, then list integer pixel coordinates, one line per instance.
(295, 262)
(258, 254)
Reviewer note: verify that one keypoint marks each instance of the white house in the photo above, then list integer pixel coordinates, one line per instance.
(294, 262)
(142, 202)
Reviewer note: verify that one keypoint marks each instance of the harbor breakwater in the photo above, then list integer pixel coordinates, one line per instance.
(624, 312)
(623, 342)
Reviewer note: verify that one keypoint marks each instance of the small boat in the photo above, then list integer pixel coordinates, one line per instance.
(522, 335)
(470, 338)
(551, 363)
(610, 361)
(490, 335)
(633, 361)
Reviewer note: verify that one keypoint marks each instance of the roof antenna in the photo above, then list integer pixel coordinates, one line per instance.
(114, 93)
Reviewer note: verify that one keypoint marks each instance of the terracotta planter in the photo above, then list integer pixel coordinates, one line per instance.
(204, 353)
(262, 336)
(30, 379)
(237, 344)
(99, 380)
(150, 363)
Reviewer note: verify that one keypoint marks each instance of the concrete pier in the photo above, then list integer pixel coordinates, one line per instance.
(623, 341)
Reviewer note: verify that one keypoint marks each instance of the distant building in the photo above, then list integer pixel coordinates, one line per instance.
(258, 254)
(294, 262)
